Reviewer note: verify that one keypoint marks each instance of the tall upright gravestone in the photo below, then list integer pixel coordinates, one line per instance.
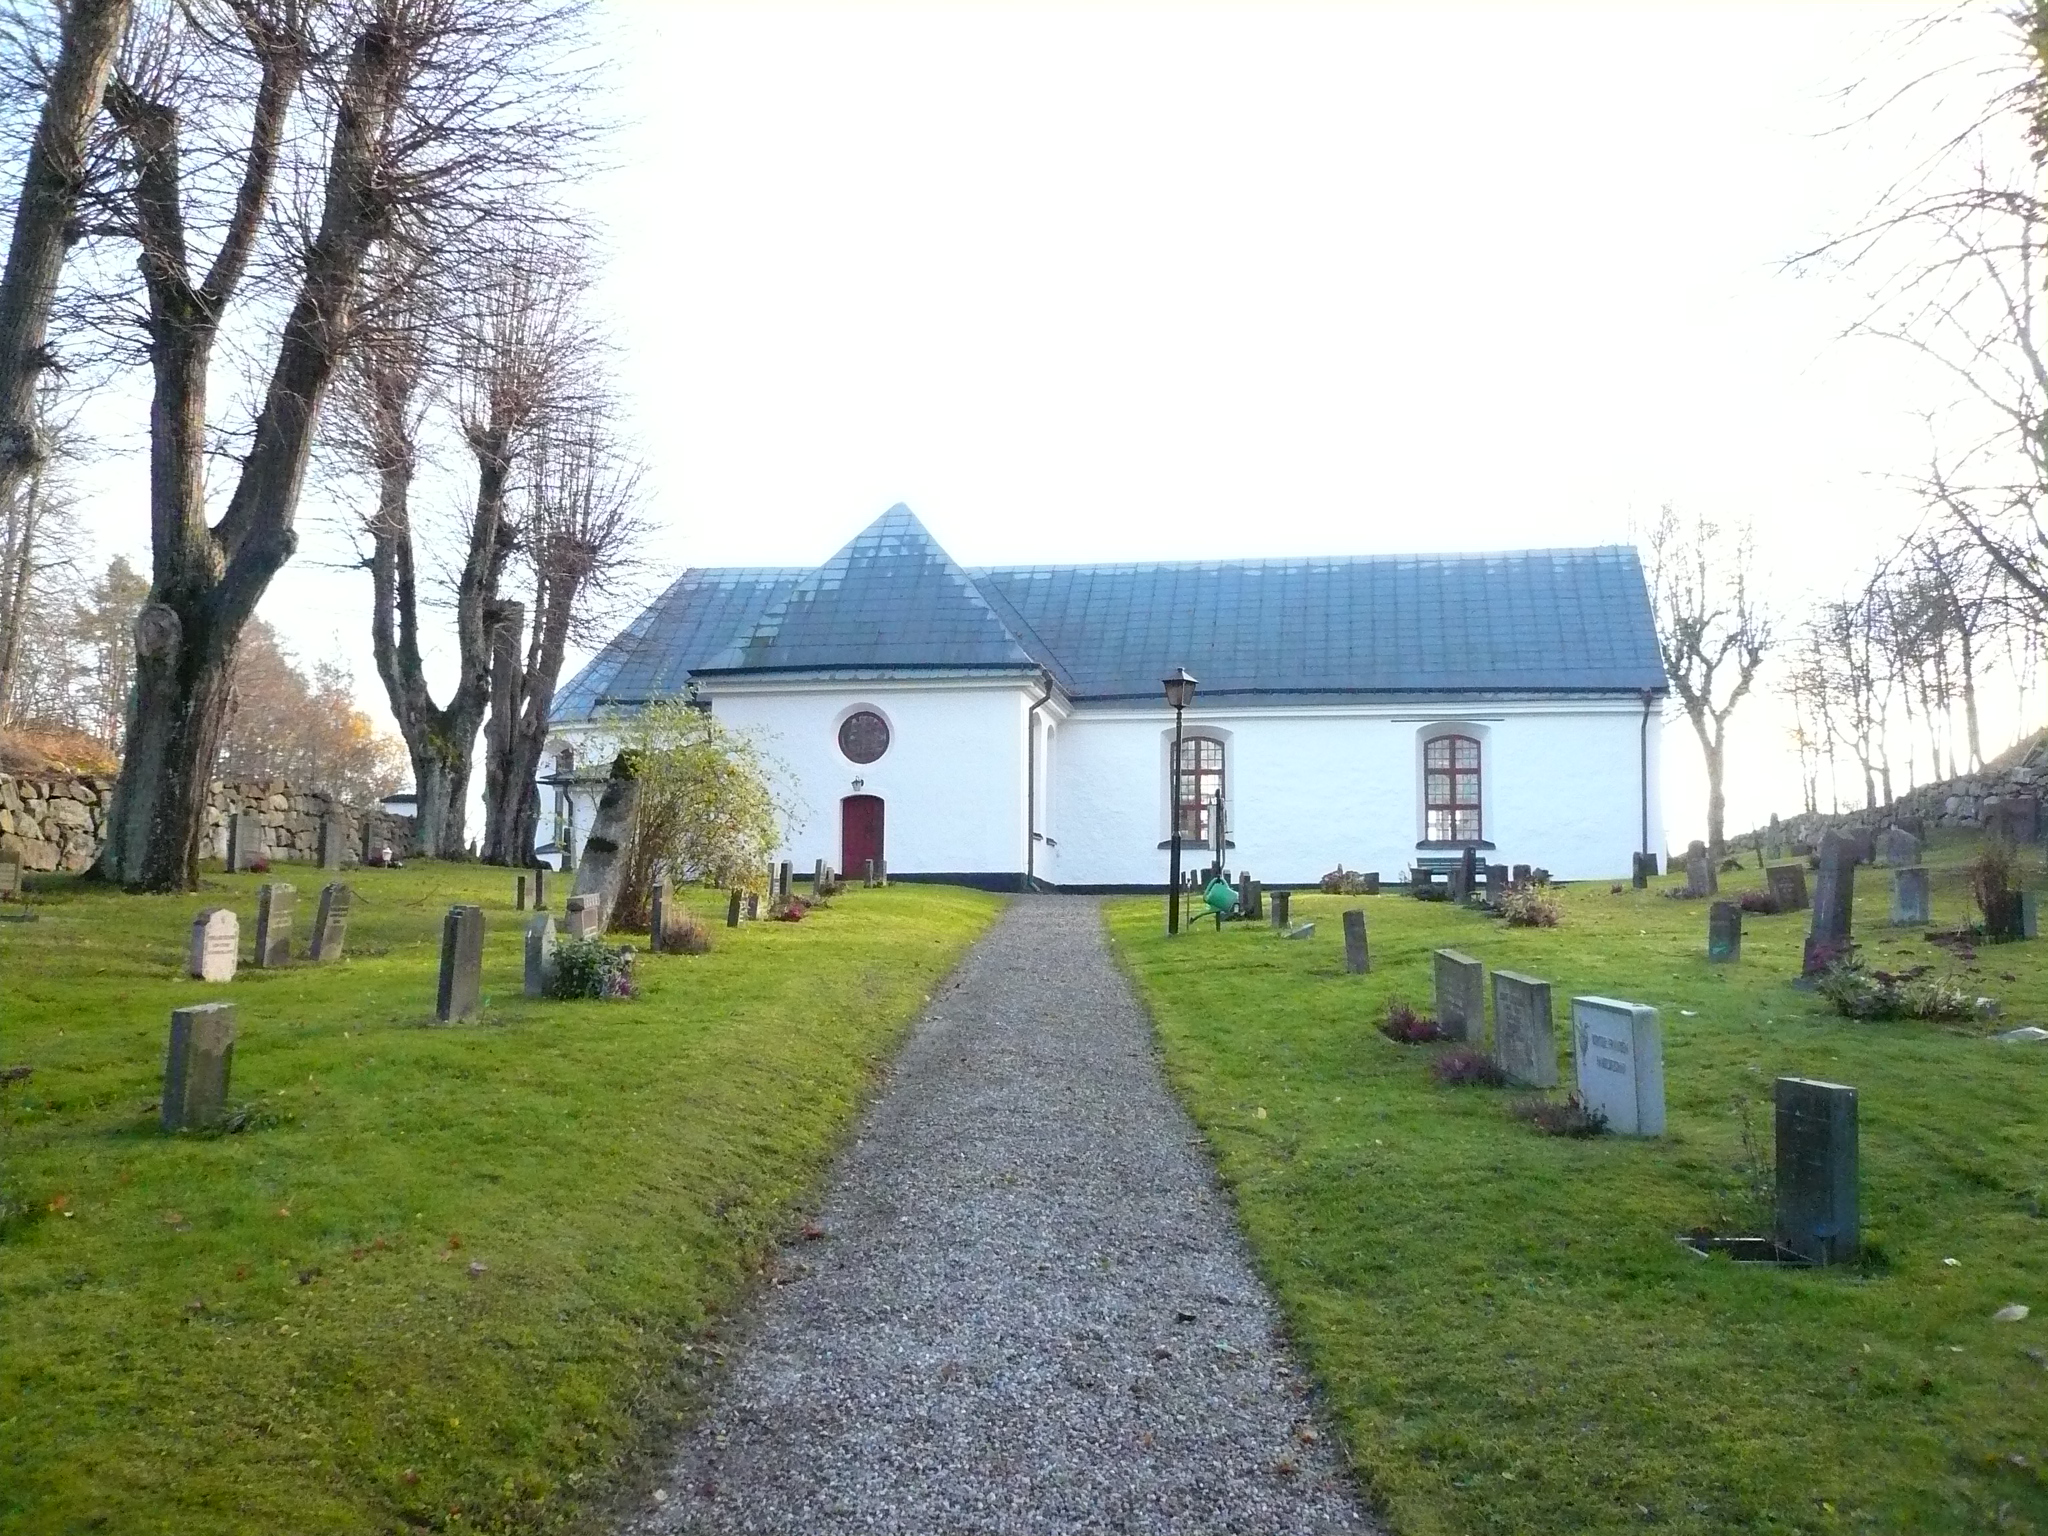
(245, 841)
(603, 865)
(216, 945)
(1357, 960)
(735, 904)
(330, 924)
(1281, 901)
(659, 901)
(1724, 932)
(1460, 995)
(1834, 897)
(1618, 1052)
(1788, 886)
(540, 888)
(1817, 1215)
(1700, 878)
(1523, 1042)
(540, 955)
(275, 902)
(1911, 903)
(331, 841)
(196, 1068)
(462, 964)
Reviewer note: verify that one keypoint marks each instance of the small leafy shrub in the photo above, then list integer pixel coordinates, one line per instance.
(1560, 1117)
(1857, 993)
(1763, 903)
(790, 911)
(1529, 907)
(1404, 1026)
(592, 968)
(1994, 873)
(1429, 890)
(1465, 1066)
(1343, 882)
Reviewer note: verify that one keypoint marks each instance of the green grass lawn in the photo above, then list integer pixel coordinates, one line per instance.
(450, 1278)
(1509, 1337)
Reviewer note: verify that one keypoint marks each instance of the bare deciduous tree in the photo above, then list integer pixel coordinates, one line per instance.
(1713, 632)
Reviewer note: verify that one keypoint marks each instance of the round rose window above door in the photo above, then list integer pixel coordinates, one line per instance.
(863, 736)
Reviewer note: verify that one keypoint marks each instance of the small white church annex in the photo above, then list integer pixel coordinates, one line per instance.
(1008, 726)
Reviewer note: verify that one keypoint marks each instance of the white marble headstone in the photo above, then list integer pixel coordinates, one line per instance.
(216, 945)
(1618, 1050)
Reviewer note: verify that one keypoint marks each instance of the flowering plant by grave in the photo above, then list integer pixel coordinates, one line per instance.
(1857, 993)
(1464, 1066)
(1763, 903)
(1404, 1026)
(1560, 1117)
(592, 968)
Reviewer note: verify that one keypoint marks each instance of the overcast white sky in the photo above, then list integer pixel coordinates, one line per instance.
(1082, 283)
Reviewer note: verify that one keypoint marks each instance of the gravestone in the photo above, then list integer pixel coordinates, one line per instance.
(1897, 846)
(1356, 960)
(659, 900)
(216, 945)
(330, 841)
(1618, 1053)
(1282, 900)
(2030, 914)
(881, 872)
(519, 896)
(1370, 880)
(245, 841)
(1496, 883)
(1460, 884)
(1834, 896)
(2005, 917)
(1864, 842)
(1700, 878)
(734, 905)
(1642, 870)
(1468, 861)
(782, 879)
(540, 888)
(275, 903)
(867, 873)
(1911, 900)
(540, 955)
(818, 878)
(1774, 839)
(1304, 931)
(1816, 1153)
(462, 964)
(202, 1053)
(753, 906)
(583, 917)
(330, 924)
(1724, 932)
(1518, 874)
(10, 876)
(1523, 1042)
(1788, 886)
(1461, 996)
(603, 865)
(1539, 875)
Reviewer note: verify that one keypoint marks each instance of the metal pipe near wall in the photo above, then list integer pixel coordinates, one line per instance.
(1031, 784)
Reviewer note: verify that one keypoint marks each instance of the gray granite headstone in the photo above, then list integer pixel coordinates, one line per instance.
(1281, 901)
(540, 954)
(583, 917)
(1458, 883)
(2030, 914)
(1497, 882)
(1834, 897)
(202, 1052)
(782, 879)
(1523, 1042)
(1774, 839)
(275, 903)
(1817, 1214)
(1724, 932)
(867, 873)
(216, 945)
(1369, 882)
(245, 841)
(540, 889)
(1911, 898)
(1788, 886)
(1897, 846)
(735, 904)
(818, 878)
(10, 876)
(1357, 960)
(882, 872)
(519, 895)
(1518, 874)
(1700, 877)
(1461, 996)
(331, 841)
(330, 925)
(1618, 1053)
(462, 964)
(753, 906)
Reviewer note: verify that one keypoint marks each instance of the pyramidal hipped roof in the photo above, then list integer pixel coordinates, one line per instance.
(1531, 621)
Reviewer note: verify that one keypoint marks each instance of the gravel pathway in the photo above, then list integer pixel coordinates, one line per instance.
(1030, 1309)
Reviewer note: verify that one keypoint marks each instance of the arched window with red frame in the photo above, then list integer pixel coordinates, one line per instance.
(1451, 790)
(1201, 781)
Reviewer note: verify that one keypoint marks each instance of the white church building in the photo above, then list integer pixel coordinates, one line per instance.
(1008, 727)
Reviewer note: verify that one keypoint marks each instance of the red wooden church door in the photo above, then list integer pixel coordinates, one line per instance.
(860, 832)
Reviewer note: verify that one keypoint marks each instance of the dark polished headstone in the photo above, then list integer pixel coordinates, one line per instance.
(1788, 886)
(519, 896)
(1357, 960)
(1834, 897)
(330, 923)
(1724, 932)
(462, 964)
(1281, 901)
(734, 904)
(274, 906)
(1817, 1214)
(196, 1069)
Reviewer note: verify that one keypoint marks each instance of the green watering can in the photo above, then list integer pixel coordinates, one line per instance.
(1219, 897)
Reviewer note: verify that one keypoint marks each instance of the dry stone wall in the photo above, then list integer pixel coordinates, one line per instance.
(1983, 799)
(58, 823)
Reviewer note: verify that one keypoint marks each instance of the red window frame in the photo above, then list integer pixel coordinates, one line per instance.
(1453, 789)
(1201, 781)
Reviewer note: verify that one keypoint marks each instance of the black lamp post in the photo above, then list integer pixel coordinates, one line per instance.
(1180, 692)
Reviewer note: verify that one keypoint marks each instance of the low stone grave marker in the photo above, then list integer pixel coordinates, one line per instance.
(1912, 902)
(196, 1069)
(1523, 1041)
(245, 841)
(1282, 900)
(275, 904)
(330, 924)
(735, 904)
(1497, 882)
(1303, 931)
(583, 917)
(1700, 877)
(462, 965)
(1724, 932)
(1357, 960)
(1461, 996)
(1788, 886)
(1817, 1215)
(216, 945)
(540, 954)
(1896, 846)
(10, 876)
(1518, 874)
(519, 895)
(1618, 1054)
(331, 841)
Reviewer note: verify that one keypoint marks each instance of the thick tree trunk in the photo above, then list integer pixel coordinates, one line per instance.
(1717, 802)
(1974, 744)
(50, 185)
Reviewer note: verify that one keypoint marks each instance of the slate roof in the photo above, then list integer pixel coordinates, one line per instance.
(1530, 621)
